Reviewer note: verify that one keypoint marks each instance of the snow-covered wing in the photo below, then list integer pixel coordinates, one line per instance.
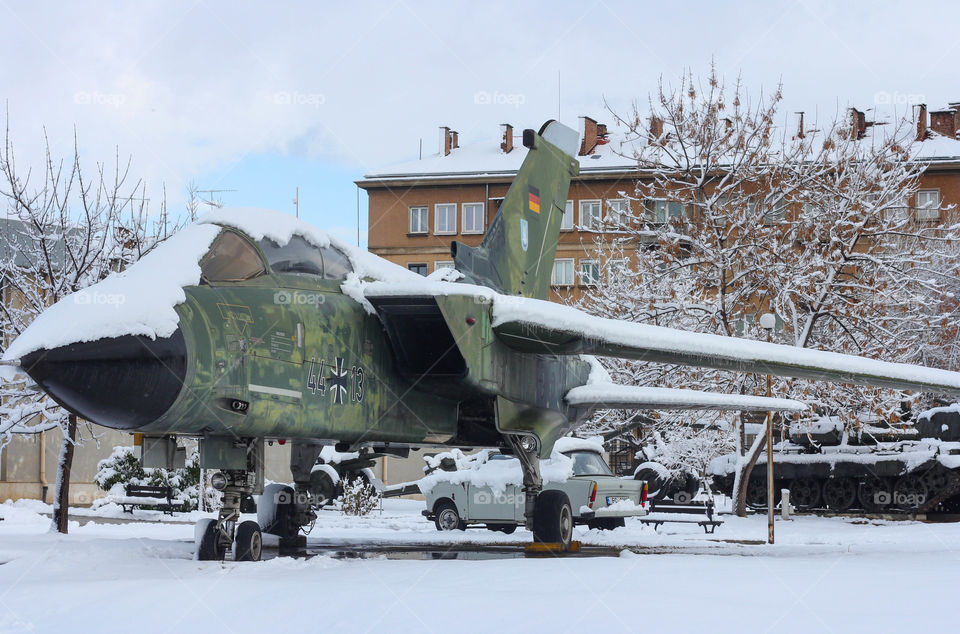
(613, 396)
(546, 328)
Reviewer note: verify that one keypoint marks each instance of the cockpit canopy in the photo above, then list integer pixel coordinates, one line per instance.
(232, 258)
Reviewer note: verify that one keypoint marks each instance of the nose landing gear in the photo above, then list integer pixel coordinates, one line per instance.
(214, 538)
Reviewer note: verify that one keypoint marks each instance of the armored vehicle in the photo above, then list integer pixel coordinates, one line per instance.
(878, 470)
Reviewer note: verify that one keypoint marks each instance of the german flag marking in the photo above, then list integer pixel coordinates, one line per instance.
(534, 196)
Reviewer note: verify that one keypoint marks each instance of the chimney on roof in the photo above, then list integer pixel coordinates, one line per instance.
(506, 137)
(944, 122)
(454, 139)
(445, 140)
(922, 132)
(656, 128)
(800, 131)
(588, 136)
(858, 121)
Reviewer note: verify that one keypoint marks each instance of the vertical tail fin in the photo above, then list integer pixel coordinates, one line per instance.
(516, 255)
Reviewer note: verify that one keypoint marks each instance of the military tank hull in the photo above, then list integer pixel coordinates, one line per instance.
(880, 471)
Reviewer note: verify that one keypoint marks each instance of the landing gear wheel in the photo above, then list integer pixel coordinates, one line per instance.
(839, 494)
(248, 544)
(275, 511)
(804, 494)
(506, 529)
(553, 519)
(910, 493)
(874, 495)
(447, 518)
(208, 542)
(606, 523)
(757, 493)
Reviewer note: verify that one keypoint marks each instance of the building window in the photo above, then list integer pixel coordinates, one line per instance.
(775, 214)
(619, 210)
(591, 215)
(589, 272)
(664, 210)
(419, 269)
(473, 220)
(562, 272)
(444, 264)
(899, 211)
(419, 220)
(566, 224)
(928, 205)
(445, 221)
(618, 270)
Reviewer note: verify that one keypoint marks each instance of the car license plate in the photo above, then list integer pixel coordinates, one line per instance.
(613, 499)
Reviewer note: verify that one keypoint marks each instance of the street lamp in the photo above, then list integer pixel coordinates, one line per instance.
(768, 321)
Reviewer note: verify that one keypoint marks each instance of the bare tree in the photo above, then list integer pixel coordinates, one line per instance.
(64, 231)
(736, 217)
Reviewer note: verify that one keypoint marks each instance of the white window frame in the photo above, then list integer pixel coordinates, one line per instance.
(926, 212)
(655, 203)
(596, 278)
(566, 222)
(618, 264)
(483, 218)
(443, 264)
(897, 212)
(553, 274)
(618, 209)
(589, 221)
(426, 212)
(436, 219)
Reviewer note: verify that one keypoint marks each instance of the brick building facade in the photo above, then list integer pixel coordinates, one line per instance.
(417, 208)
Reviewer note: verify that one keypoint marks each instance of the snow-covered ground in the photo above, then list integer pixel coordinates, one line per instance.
(823, 574)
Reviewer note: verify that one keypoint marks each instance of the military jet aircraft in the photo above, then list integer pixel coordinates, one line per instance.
(250, 326)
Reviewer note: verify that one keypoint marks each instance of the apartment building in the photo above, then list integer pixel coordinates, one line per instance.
(417, 208)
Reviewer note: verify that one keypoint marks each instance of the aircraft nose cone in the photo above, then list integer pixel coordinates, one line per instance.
(121, 382)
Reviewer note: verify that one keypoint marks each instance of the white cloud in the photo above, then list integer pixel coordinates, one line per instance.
(193, 86)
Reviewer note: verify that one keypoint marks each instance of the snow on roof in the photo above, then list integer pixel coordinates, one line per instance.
(569, 443)
(486, 159)
(489, 469)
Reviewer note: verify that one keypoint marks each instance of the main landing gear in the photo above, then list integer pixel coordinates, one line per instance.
(548, 513)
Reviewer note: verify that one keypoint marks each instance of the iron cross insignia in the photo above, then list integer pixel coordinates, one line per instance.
(338, 382)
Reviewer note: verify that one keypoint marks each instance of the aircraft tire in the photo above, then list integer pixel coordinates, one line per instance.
(248, 544)
(275, 511)
(208, 546)
(553, 518)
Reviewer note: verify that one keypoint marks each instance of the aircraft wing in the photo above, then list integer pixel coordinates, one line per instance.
(546, 328)
(613, 396)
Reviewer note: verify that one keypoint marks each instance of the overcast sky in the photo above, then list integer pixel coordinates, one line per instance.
(263, 97)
